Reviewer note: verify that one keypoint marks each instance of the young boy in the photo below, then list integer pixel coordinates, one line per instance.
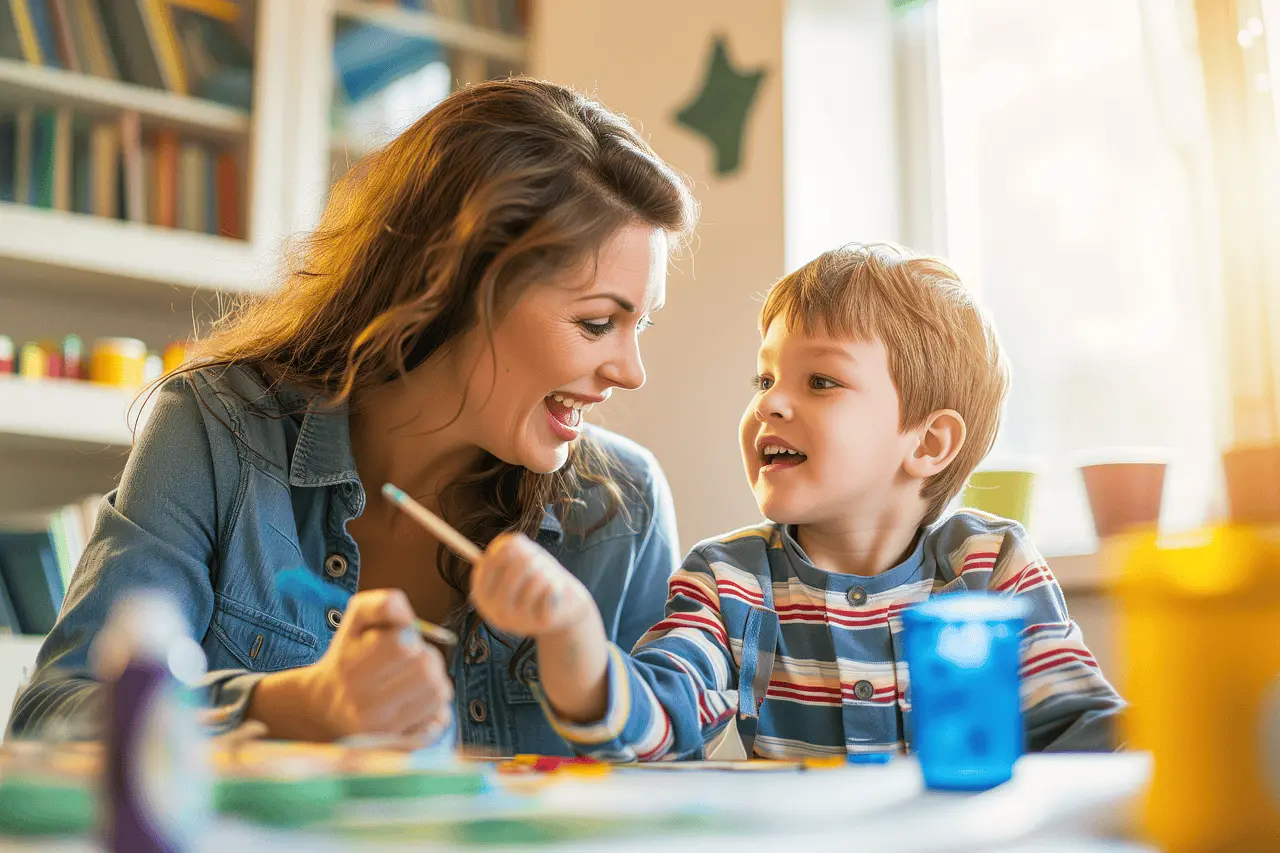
(879, 388)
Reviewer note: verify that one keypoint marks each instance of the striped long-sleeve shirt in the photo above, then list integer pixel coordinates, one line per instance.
(838, 680)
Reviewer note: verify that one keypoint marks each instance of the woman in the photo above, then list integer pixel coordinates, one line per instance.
(473, 289)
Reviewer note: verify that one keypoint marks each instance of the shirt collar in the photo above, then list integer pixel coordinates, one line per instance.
(323, 457)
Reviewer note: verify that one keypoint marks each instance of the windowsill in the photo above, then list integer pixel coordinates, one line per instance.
(1079, 573)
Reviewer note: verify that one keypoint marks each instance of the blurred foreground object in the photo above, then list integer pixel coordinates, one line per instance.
(1198, 616)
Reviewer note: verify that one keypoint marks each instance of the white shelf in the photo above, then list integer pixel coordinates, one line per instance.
(64, 414)
(29, 84)
(89, 254)
(457, 34)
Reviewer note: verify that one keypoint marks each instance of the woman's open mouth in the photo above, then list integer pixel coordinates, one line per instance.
(564, 415)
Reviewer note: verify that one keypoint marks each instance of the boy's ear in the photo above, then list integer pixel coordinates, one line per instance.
(940, 438)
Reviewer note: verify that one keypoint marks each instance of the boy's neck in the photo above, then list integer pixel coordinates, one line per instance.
(865, 547)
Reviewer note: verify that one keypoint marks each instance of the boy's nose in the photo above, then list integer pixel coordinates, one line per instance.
(772, 406)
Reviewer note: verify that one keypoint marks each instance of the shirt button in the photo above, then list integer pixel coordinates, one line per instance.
(863, 690)
(335, 565)
(333, 617)
(477, 711)
(477, 649)
(857, 595)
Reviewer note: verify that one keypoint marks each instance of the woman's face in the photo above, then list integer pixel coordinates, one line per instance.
(561, 350)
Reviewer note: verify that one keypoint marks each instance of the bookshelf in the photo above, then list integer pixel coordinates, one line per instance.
(449, 32)
(96, 96)
(64, 416)
(94, 257)
(64, 270)
(477, 40)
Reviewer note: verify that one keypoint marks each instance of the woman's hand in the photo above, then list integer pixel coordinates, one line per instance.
(377, 677)
(519, 588)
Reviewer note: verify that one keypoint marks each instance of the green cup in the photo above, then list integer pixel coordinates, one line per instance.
(1003, 493)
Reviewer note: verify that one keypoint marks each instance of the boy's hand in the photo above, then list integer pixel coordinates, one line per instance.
(519, 588)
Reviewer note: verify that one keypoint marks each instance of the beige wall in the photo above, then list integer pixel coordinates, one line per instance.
(647, 60)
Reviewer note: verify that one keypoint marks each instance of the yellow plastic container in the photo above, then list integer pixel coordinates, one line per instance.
(121, 362)
(1200, 638)
(175, 355)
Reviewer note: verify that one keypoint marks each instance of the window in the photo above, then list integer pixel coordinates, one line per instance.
(1075, 204)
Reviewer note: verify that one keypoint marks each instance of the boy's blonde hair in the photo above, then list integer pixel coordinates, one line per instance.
(942, 349)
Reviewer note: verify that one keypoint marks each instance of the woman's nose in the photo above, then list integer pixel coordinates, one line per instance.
(626, 370)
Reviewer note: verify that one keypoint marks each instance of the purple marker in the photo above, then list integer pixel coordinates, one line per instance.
(157, 784)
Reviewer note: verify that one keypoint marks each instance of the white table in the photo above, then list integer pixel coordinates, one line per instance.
(1054, 803)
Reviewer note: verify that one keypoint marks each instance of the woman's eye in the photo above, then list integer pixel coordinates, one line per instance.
(597, 328)
(819, 383)
(645, 323)
(761, 383)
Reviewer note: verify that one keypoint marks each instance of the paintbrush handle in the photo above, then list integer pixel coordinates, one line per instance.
(436, 633)
(441, 529)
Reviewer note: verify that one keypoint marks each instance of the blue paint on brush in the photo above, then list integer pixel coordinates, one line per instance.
(300, 584)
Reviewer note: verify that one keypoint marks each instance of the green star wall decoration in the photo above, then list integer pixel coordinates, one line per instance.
(719, 110)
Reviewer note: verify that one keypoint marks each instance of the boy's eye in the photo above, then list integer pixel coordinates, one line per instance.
(821, 383)
(597, 328)
(761, 383)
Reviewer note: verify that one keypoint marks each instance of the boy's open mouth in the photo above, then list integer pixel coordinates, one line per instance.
(776, 456)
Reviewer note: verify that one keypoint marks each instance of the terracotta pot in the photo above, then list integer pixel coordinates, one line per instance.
(1124, 495)
(1253, 483)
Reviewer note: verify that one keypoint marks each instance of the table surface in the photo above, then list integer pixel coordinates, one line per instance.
(1053, 803)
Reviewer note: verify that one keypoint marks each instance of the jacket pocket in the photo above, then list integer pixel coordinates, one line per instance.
(259, 641)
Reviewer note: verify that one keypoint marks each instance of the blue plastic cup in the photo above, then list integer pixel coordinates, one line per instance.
(962, 658)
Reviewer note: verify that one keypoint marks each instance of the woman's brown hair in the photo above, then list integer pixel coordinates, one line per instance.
(501, 185)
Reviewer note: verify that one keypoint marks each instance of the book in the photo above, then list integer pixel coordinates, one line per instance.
(43, 158)
(97, 56)
(29, 570)
(134, 179)
(192, 187)
(167, 156)
(26, 31)
(8, 618)
(368, 58)
(217, 52)
(8, 155)
(22, 155)
(82, 167)
(164, 44)
(60, 18)
(127, 34)
(104, 147)
(10, 43)
(230, 212)
(42, 22)
(60, 198)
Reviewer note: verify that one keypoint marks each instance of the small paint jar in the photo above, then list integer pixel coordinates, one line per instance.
(121, 362)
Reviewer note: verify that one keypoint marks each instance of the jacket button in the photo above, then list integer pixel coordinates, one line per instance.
(335, 565)
(857, 595)
(333, 617)
(477, 711)
(529, 673)
(863, 690)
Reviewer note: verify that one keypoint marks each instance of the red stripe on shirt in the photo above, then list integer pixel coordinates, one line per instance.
(692, 620)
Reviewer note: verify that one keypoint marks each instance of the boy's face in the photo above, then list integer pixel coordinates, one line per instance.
(834, 402)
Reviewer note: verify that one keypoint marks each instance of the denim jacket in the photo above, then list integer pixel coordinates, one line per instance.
(225, 488)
